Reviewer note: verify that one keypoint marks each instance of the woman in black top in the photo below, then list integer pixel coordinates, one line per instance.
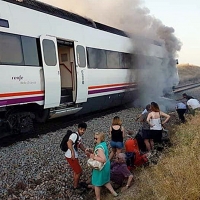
(117, 134)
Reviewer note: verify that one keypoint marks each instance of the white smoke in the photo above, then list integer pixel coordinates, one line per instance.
(155, 76)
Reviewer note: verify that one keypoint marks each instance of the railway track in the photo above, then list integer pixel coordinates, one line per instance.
(186, 87)
(54, 125)
(63, 122)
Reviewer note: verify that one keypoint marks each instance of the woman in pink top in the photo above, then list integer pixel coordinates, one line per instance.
(154, 120)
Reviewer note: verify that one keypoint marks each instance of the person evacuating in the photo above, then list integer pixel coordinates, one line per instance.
(181, 109)
(133, 154)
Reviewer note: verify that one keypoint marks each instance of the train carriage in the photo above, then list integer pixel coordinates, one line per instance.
(55, 63)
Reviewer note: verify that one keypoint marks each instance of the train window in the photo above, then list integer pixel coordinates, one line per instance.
(112, 60)
(29, 46)
(127, 60)
(12, 51)
(49, 51)
(121, 60)
(96, 58)
(4, 23)
(81, 58)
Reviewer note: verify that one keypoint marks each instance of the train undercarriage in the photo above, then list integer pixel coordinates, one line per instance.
(16, 122)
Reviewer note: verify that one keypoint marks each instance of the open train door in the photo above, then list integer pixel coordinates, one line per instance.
(82, 75)
(52, 82)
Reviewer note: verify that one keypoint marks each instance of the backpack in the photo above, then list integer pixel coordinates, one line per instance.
(63, 144)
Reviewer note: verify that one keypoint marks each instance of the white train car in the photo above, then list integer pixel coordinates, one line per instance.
(55, 63)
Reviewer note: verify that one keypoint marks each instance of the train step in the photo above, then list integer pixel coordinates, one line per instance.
(66, 105)
(59, 112)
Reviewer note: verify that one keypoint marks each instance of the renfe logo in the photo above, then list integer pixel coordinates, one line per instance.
(19, 78)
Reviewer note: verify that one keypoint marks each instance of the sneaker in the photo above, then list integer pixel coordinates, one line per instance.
(115, 194)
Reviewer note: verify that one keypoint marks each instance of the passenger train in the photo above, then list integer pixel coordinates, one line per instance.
(55, 63)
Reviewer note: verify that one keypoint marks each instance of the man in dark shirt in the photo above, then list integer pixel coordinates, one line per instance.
(120, 173)
(187, 97)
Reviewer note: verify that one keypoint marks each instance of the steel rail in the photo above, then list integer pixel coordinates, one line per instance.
(185, 87)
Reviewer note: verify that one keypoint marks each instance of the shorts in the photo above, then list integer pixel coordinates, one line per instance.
(74, 164)
(156, 135)
(146, 134)
(117, 145)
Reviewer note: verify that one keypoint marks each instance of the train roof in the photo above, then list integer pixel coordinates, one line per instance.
(51, 10)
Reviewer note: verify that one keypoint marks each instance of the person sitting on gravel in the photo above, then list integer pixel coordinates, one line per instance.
(120, 174)
(72, 155)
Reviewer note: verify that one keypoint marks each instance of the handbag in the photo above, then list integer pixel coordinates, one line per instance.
(95, 164)
(165, 134)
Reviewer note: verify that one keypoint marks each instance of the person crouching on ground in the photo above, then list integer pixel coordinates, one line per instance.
(120, 172)
(193, 105)
(101, 177)
(72, 154)
(181, 109)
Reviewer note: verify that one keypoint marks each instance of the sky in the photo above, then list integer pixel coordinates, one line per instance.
(182, 15)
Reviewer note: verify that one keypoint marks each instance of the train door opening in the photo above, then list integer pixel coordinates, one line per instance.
(51, 71)
(67, 72)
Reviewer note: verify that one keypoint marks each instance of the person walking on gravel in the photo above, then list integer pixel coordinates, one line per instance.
(72, 154)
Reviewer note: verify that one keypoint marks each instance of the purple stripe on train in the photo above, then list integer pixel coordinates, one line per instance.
(110, 89)
(20, 100)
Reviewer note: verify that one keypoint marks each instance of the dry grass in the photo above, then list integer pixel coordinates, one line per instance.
(188, 73)
(177, 175)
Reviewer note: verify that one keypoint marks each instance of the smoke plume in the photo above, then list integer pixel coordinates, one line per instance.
(155, 76)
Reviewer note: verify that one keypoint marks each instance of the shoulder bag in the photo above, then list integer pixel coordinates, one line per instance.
(94, 164)
(165, 134)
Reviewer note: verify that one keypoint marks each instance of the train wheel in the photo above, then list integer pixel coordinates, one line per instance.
(12, 120)
(20, 122)
(42, 115)
(26, 124)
